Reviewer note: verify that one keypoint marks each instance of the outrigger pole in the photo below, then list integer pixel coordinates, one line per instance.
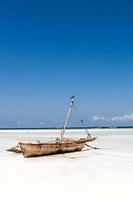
(68, 115)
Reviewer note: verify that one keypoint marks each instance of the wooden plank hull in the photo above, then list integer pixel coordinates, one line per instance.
(49, 148)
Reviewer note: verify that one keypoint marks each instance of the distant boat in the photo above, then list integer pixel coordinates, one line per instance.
(61, 145)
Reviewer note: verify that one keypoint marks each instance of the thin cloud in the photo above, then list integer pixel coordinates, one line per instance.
(19, 122)
(123, 118)
(117, 118)
(24, 122)
(42, 123)
(99, 118)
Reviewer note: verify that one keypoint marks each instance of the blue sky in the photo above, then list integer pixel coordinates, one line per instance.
(50, 50)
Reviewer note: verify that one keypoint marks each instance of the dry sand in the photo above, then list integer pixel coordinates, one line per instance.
(105, 174)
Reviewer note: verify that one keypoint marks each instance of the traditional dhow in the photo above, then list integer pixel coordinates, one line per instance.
(61, 145)
(49, 148)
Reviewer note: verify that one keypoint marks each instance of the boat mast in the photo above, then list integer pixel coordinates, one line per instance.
(68, 115)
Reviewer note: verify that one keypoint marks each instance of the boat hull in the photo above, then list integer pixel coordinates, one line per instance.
(15, 149)
(42, 149)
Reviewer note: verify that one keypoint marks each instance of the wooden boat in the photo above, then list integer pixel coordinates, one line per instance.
(59, 146)
(49, 148)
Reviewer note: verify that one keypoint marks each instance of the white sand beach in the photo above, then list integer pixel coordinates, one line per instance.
(104, 174)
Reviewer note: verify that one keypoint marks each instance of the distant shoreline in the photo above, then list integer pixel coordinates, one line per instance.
(56, 128)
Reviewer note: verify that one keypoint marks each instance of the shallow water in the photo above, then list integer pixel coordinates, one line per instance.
(113, 140)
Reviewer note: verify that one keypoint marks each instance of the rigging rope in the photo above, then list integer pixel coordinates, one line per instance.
(82, 121)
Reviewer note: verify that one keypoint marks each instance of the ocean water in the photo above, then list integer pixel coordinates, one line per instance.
(117, 141)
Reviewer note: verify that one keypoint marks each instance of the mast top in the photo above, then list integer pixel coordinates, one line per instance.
(72, 98)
